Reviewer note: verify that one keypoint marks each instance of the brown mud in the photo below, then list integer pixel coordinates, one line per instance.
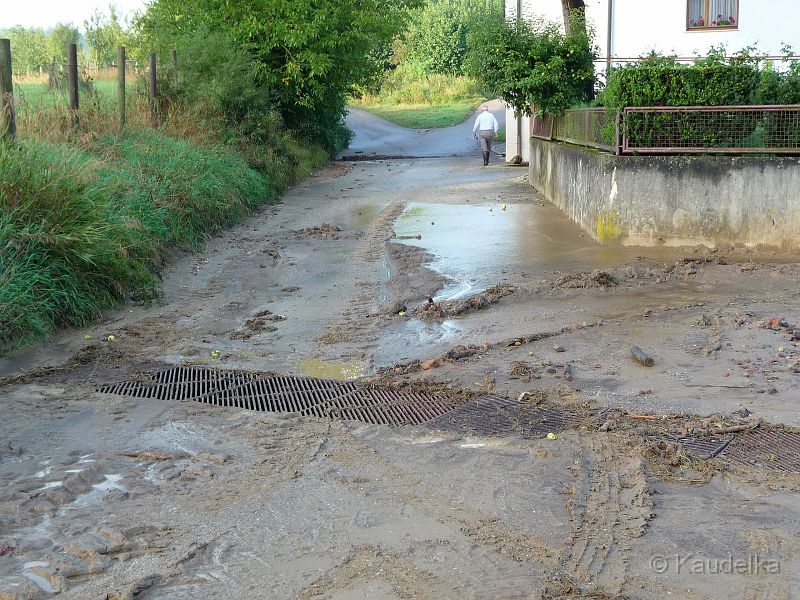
(105, 496)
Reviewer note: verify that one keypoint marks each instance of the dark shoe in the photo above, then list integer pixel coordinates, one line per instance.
(485, 159)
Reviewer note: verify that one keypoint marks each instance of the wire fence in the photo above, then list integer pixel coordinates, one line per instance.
(594, 127)
(768, 129)
(773, 129)
(71, 99)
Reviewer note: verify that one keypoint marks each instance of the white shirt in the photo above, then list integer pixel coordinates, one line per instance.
(485, 122)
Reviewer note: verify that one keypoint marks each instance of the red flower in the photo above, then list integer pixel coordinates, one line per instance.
(731, 19)
(713, 22)
(719, 16)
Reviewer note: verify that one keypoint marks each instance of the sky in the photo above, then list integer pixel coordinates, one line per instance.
(46, 13)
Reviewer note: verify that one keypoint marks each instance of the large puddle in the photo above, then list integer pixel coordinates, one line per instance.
(477, 244)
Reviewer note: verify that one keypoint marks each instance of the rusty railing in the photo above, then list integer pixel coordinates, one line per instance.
(590, 127)
(773, 129)
(767, 129)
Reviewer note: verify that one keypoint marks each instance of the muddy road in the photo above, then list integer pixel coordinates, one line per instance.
(559, 467)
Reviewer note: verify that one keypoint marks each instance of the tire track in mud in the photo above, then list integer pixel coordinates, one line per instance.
(352, 325)
(611, 506)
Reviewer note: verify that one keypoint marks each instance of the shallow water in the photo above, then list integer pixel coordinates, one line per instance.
(331, 369)
(476, 244)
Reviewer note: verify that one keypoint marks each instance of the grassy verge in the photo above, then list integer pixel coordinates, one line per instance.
(82, 229)
(422, 116)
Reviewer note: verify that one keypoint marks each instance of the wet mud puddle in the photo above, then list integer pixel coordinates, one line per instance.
(475, 245)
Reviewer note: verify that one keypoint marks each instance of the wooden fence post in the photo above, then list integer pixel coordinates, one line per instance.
(121, 87)
(72, 74)
(153, 90)
(8, 125)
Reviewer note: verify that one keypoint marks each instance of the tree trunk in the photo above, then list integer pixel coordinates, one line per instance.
(567, 6)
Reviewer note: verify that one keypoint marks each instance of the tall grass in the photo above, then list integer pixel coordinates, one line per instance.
(422, 101)
(89, 217)
(402, 88)
(82, 229)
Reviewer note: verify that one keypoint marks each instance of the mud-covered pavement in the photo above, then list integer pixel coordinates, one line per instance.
(107, 496)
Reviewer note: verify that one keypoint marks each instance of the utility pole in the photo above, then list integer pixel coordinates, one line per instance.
(519, 117)
(609, 31)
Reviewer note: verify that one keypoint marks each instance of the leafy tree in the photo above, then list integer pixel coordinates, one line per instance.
(310, 53)
(534, 63)
(104, 34)
(29, 48)
(58, 40)
(437, 37)
(567, 7)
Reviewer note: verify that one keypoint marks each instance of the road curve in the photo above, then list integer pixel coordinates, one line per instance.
(374, 135)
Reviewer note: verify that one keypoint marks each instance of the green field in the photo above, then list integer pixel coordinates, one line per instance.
(37, 95)
(422, 116)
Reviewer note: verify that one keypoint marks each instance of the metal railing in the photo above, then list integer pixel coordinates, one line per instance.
(773, 129)
(767, 129)
(591, 127)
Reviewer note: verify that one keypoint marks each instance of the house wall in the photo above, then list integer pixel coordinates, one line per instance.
(640, 27)
(672, 200)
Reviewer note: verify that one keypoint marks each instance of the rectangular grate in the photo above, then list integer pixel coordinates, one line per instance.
(775, 449)
(493, 415)
(287, 394)
(705, 446)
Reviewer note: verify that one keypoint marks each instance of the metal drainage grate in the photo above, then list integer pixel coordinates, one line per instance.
(704, 447)
(274, 393)
(776, 449)
(493, 415)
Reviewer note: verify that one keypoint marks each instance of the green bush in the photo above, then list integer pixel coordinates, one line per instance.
(80, 230)
(680, 85)
(309, 55)
(534, 64)
(711, 81)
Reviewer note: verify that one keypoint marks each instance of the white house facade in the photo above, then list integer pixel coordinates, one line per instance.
(627, 29)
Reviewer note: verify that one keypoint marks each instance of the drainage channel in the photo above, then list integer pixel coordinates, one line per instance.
(306, 396)
(494, 415)
(326, 398)
(773, 448)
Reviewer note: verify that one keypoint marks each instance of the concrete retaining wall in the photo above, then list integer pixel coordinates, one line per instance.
(672, 200)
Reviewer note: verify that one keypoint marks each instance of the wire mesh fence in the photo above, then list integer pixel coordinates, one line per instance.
(767, 129)
(711, 129)
(591, 127)
(542, 126)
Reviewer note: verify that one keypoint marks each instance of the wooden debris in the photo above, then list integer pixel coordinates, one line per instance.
(145, 454)
(641, 357)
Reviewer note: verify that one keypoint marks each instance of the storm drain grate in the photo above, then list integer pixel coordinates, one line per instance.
(704, 447)
(275, 393)
(774, 449)
(493, 415)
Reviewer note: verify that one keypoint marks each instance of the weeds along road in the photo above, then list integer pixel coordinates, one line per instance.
(113, 496)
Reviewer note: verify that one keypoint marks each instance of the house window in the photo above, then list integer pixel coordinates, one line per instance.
(713, 14)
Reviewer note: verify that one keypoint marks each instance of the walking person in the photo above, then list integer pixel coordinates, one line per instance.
(485, 129)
